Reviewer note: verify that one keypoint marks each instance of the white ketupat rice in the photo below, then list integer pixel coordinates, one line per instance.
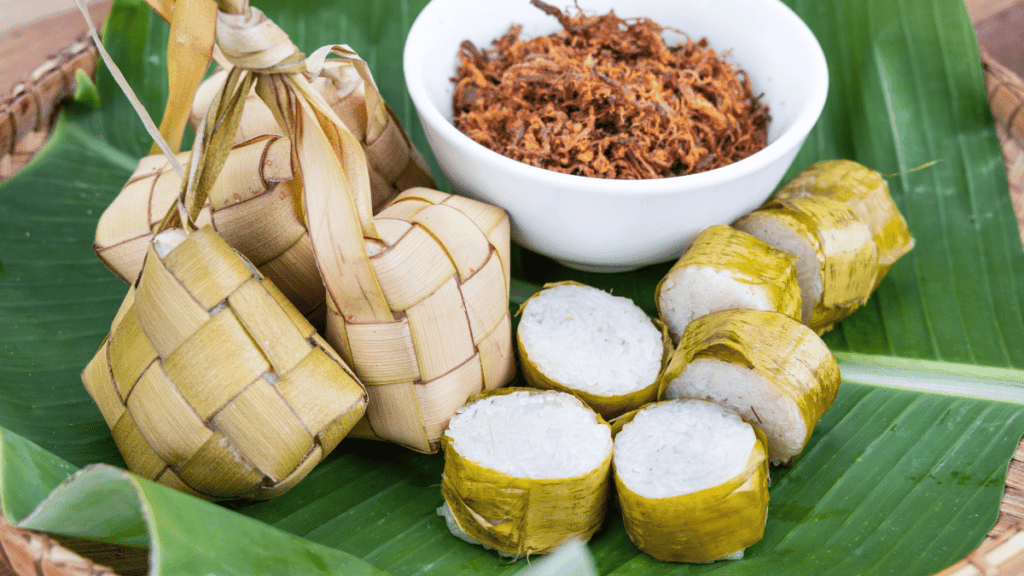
(525, 470)
(601, 348)
(726, 268)
(774, 371)
(837, 260)
(692, 481)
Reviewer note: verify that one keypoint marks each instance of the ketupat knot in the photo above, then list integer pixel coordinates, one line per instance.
(253, 42)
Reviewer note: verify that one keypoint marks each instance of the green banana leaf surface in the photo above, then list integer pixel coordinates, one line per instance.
(903, 475)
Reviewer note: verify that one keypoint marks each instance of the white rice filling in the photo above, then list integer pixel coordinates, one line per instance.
(589, 340)
(530, 435)
(808, 269)
(752, 395)
(168, 240)
(682, 447)
(694, 291)
(445, 512)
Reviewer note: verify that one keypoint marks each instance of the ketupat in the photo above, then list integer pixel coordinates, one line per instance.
(212, 382)
(251, 206)
(227, 390)
(442, 331)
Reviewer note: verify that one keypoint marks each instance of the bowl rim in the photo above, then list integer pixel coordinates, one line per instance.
(413, 57)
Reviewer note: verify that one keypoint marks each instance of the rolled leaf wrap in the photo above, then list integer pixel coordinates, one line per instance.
(416, 301)
(710, 524)
(635, 342)
(521, 516)
(727, 268)
(837, 258)
(774, 371)
(866, 192)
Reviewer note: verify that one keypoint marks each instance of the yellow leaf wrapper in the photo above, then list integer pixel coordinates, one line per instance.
(842, 245)
(865, 191)
(702, 526)
(796, 376)
(763, 278)
(523, 516)
(608, 406)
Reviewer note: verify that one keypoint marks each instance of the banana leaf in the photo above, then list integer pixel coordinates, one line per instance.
(903, 475)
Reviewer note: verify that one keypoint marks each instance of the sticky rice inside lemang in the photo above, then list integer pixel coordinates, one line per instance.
(774, 371)
(602, 348)
(525, 470)
(865, 191)
(692, 481)
(836, 256)
(725, 268)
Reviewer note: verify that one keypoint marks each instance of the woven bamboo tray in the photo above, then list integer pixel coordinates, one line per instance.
(26, 116)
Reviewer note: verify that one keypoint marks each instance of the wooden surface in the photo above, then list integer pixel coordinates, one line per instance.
(39, 35)
(18, 13)
(999, 25)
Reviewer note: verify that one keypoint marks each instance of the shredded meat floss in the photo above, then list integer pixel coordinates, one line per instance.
(606, 97)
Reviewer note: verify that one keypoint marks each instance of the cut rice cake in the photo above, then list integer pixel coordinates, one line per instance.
(865, 191)
(776, 372)
(525, 470)
(599, 347)
(726, 268)
(692, 481)
(836, 256)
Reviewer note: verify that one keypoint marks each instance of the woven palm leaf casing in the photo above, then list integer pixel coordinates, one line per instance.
(443, 267)
(255, 204)
(212, 382)
(252, 205)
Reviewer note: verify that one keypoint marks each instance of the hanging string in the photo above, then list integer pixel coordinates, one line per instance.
(147, 121)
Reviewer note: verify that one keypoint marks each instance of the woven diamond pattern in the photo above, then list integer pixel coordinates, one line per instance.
(212, 382)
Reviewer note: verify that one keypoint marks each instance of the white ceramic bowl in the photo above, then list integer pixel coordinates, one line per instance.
(614, 225)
